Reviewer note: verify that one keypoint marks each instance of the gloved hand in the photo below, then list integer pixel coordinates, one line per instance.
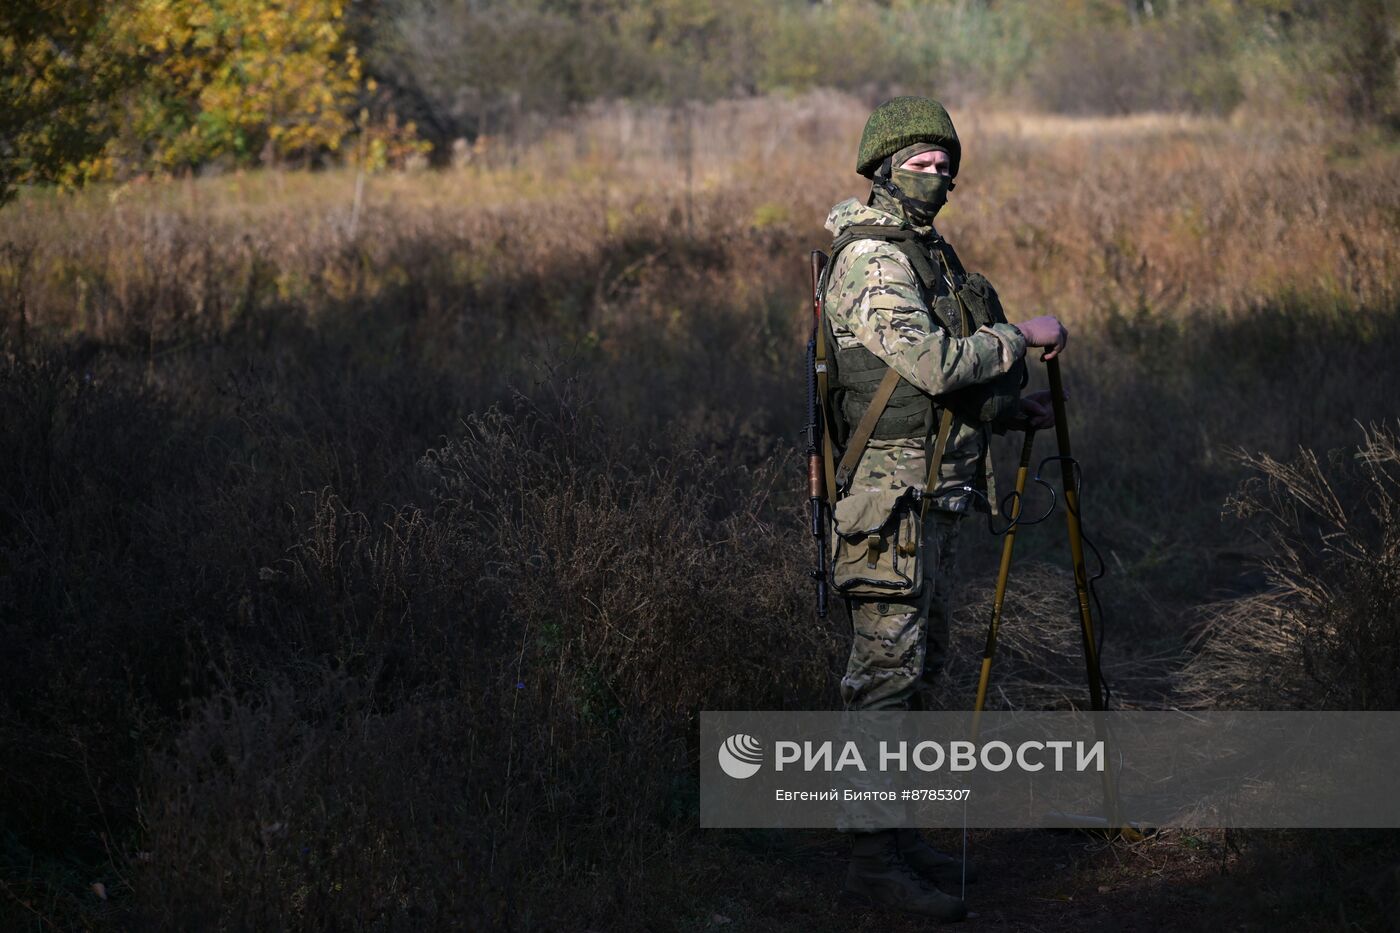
(1045, 331)
(1038, 411)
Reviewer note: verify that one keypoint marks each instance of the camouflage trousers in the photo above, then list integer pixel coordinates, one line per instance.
(900, 645)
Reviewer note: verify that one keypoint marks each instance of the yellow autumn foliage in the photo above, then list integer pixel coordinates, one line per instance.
(272, 79)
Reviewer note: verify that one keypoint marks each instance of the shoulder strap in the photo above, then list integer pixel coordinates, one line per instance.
(935, 462)
(945, 422)
(861, 435)
(905, 241)
(950, 260)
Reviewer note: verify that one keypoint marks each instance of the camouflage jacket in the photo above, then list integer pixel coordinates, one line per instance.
(873, 298)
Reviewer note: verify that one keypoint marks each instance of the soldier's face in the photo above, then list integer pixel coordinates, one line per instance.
(933, 162)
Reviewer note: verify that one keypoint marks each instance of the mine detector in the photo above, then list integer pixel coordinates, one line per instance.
(823, 492)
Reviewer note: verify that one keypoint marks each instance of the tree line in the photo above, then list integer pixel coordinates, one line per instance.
(108, 90)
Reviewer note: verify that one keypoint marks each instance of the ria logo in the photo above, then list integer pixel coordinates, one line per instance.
(741, 756)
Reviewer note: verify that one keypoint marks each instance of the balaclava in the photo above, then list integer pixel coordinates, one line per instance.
(922, 194)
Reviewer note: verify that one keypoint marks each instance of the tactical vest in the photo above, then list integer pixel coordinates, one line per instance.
(910, 413)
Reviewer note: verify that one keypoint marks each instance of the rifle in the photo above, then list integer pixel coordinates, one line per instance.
(819, 467)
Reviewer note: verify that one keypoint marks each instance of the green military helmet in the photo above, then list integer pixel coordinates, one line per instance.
(902, 122)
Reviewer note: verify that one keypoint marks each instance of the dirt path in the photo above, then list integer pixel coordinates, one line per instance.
(1030, 881)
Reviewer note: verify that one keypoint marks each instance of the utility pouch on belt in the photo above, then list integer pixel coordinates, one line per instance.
(877, 548)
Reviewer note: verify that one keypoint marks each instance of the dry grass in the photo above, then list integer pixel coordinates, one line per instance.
(366, 567)
(1324, 635)
(1068, 215)
(1039, 662)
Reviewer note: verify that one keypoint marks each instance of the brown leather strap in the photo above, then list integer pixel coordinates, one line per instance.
(824, 400)
(821, 266)
(861, 435)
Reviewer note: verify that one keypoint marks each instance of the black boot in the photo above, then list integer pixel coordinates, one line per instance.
(942, 869)
(879, 876)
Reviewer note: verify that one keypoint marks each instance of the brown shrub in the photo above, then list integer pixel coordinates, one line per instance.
(1325, 634)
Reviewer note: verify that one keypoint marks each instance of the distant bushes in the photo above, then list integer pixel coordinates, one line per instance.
(1184, 64)
(445, 59)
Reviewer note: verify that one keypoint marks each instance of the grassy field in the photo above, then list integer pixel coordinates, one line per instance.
(369, 544)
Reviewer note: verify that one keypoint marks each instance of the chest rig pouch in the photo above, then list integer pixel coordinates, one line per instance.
(998, 401)
(960, 302)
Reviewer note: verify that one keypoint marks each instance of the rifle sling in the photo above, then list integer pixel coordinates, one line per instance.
(823, 382)
(828, 457)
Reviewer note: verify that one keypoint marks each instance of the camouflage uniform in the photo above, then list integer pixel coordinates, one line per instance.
(873, 299)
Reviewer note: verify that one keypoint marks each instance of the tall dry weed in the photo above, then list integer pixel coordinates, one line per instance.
(1326, 634)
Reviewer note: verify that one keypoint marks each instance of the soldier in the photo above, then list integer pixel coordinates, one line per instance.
(897, 297)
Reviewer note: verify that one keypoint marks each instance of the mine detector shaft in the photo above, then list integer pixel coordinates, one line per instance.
(822, 492)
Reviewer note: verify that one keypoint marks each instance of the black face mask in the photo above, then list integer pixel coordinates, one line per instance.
(923, 194)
